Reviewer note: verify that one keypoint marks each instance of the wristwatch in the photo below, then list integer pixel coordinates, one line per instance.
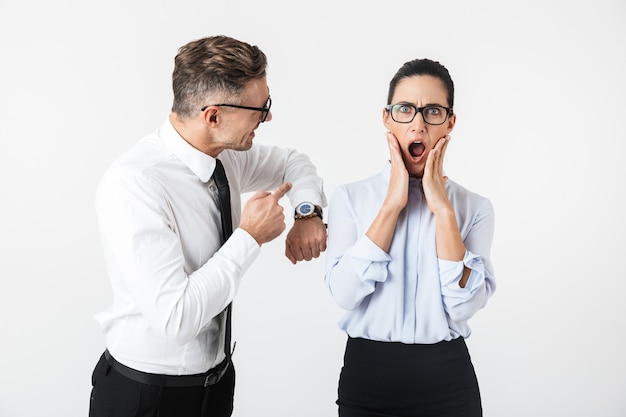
(307, 210)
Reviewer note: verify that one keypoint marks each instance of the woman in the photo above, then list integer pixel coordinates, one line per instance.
(408, 257)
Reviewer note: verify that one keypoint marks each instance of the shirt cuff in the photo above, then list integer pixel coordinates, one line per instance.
(315, 195)
(241, 248)
(451, 272)
(369, 260)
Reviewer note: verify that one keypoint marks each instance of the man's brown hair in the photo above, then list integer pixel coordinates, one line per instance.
(213, 66)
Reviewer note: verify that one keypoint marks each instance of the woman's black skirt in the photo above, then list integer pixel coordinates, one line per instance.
(391, 379)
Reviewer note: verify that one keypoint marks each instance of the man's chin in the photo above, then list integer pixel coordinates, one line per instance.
(244, 146)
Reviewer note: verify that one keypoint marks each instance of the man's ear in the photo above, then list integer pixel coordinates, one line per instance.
(211, 115)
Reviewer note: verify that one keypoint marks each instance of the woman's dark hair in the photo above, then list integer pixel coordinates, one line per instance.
(423, 66)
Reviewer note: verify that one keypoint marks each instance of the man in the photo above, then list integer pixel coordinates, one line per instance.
(173, 272)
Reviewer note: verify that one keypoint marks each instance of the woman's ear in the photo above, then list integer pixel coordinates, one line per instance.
(451, 122)
(386, 119)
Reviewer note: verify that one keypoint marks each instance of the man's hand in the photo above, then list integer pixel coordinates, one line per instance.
(306, 240)
(263, 217)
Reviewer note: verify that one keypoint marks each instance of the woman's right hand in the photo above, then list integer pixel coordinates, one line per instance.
(398, 192)
(383, 227)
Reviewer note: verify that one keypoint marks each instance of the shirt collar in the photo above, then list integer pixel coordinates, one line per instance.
(201, 164)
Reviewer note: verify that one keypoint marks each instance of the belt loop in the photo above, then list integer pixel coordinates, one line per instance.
(210, 379)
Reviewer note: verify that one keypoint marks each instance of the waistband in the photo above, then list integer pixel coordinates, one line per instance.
(211, 377)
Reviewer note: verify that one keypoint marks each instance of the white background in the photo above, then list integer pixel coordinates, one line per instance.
(540, 100)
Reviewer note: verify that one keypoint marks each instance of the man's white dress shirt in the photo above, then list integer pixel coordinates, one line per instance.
(161, 233)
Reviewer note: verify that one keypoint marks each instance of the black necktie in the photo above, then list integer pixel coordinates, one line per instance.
(219, 176)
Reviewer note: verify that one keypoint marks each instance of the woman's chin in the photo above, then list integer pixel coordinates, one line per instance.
(416, 170)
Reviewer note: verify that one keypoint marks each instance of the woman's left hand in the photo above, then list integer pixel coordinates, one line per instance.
(434, 182)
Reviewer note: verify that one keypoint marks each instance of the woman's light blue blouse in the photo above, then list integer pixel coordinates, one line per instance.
(407, 295)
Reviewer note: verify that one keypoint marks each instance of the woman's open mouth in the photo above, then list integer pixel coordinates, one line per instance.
(417, 149)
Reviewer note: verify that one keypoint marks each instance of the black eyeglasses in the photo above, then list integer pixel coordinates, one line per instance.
(432, 114)
(265, 110)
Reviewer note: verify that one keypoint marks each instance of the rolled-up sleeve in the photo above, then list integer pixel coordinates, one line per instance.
(353, 262)
(462, 303)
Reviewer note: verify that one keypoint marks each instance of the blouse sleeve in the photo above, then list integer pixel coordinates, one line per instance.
(462, 303)
(353, 264)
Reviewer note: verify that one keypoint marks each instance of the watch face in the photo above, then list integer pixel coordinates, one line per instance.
(305, 209)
